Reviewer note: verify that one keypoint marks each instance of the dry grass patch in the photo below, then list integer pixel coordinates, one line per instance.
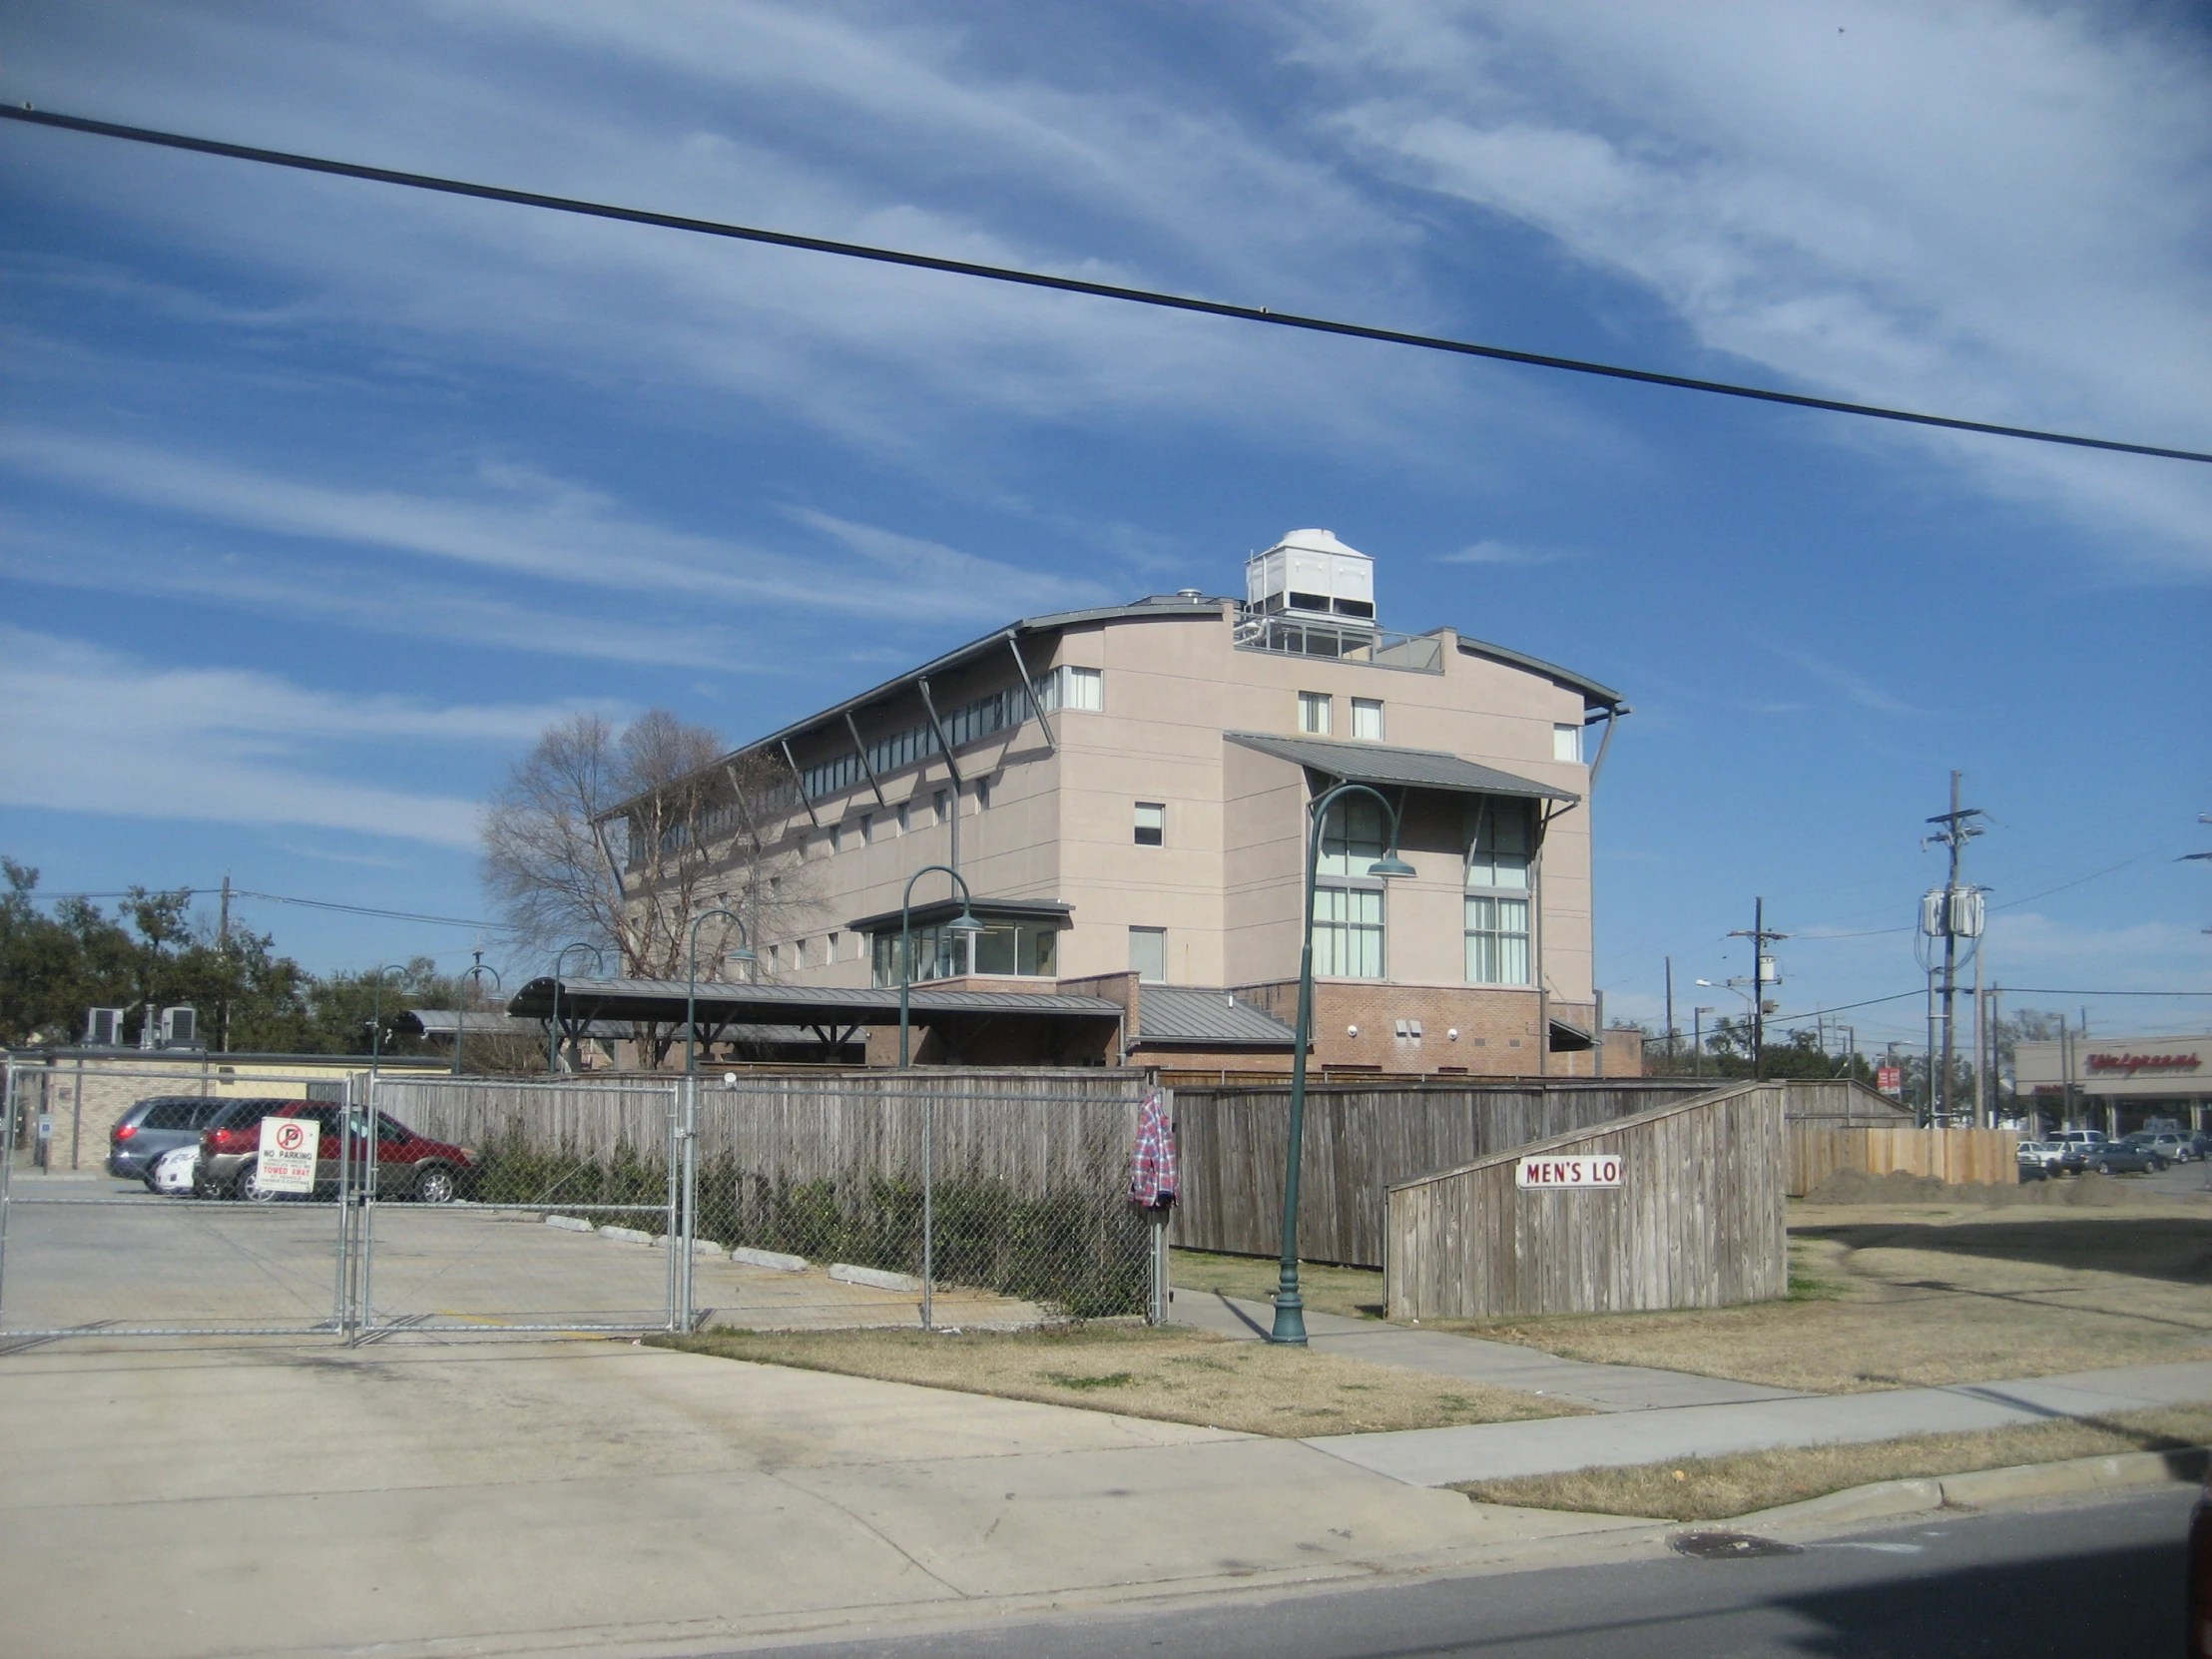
(1721, 1488)
(1172, 1376)
(1891, 1296)
(1356, 1292)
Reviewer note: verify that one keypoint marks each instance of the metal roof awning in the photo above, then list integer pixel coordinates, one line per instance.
(937, 911)
(660, 1002)
(1374, 763)
(1207, 1019)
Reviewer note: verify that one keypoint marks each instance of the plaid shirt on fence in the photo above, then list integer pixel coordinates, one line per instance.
(1152, 1164)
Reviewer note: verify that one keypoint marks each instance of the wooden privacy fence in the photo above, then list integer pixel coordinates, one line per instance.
(1696, 1222)
(1818, 1151)
(1359, 1139)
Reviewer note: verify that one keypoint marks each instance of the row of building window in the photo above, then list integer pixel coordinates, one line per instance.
(1317, 716)
(1066, 687)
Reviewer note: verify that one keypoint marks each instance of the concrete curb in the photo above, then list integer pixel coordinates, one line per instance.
(1980, 1489)
(875, 1277)
(569, 1224)
(772, 1259)
(699, 1247)
(626, 1235)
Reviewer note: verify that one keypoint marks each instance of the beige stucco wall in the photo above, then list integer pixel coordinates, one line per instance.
(1226, 883)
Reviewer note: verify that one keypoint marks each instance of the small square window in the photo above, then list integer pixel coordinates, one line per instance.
(1152, 822)
(1082, 688)
(1366, 718)
(1148, 954)
(1567, 742)
(1315, 711)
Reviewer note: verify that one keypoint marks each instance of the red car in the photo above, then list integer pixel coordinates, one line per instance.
(408, 1165)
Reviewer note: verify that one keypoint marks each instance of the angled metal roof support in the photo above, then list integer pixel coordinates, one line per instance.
(1612, 719)
(745, 808)
(945, 747)
(800, 779)
(1036, 703)
(860, 749)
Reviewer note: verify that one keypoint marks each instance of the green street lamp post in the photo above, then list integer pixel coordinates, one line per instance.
(964, 923)
(460, 1021)
(1289, 1306)
(744, 953)
(553, 1031)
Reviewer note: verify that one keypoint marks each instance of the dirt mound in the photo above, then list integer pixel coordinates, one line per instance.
(1850, 1185)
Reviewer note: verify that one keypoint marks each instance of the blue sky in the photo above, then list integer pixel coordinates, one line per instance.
(321, 498)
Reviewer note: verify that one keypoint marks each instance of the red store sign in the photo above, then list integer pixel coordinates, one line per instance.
(2133, 1063)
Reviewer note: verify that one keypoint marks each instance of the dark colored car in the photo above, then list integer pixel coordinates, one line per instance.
(2122, 1158)
(158, 1124)
(2199, 1645)
(408, 1165)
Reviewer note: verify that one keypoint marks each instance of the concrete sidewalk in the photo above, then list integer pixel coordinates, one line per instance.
(1491, 1451)
(501, 1497)
(1472, 1359)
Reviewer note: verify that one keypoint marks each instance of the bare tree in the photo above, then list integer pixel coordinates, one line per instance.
(621, 839)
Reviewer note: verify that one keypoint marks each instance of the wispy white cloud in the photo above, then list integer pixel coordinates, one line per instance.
(525, 525)
(90, 729)
(2145, 955)
(1855, 686)
(1974, 207)
(1490, 551)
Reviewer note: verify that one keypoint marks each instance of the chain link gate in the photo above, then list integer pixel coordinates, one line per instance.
(88, 1255)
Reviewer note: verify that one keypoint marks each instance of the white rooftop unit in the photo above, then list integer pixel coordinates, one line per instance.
(1313, 576)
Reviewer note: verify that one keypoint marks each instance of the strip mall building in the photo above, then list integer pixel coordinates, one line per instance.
(2117, 1085)
(1125, 792)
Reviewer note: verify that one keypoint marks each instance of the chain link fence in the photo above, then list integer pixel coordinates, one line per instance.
(471, 1205)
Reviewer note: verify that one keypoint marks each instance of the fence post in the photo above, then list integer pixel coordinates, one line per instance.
(1156, 1312)
(928, 1211)
(689, 1220)
(7, 1170)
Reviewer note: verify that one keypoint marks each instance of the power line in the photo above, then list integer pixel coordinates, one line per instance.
(303, 904)
(1063, 284)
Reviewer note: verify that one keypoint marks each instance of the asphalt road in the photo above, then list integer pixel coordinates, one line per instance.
(2102, 1581)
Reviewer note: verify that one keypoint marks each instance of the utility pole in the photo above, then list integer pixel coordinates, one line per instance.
(223, 942)
(1954, 829)
(1763, 974)
(1672, 1046)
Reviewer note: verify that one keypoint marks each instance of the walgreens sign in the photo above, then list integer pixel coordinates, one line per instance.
(2131, 1064)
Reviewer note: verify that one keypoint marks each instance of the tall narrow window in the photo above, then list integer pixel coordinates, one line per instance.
(982, 795)
(867, 827)
(940, 803)
(1366, 718)
(1500, 853)
(1348, 933)
(905, 816)
(1313, 713)
(1348, 902)
(1567, 742)
(1148, 954)
(1152, 822)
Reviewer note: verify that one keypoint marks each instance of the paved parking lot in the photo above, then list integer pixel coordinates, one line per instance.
(105, 1253)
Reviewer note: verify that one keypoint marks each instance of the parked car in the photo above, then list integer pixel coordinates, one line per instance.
(2080, 1139)
(408, 1165)
(2175, 1148)
(158, 1124)
(2042, 1160)
(2120, 1158)
(172, 1171)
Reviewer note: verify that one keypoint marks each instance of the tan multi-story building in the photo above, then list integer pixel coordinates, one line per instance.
(1125, 792)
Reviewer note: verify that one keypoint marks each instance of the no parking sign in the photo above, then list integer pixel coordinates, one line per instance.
(287, 1154)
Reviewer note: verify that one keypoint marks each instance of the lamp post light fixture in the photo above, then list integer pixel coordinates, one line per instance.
(1289, 1306)
(553, 1033)
(460, 1020)
(376, 1013)
(744, 953)
(964, 924)
(1697, 1037)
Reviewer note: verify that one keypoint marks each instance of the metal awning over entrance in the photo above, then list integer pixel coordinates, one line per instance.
(835, 1014)
(1379, 764)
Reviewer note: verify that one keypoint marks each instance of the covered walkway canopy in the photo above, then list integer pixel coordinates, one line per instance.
(968, 1025)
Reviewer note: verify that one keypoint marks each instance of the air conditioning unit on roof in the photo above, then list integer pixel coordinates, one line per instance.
(104, 1028)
